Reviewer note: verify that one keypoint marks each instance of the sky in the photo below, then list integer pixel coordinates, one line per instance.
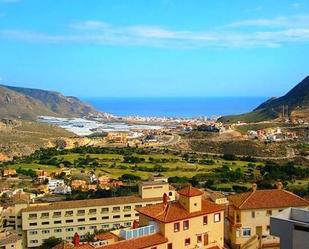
(155, 48)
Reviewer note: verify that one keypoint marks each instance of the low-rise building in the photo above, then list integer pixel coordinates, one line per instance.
(63, 219)
(248, 216)
(292, 226)
(10, 240)
(8, 172)
(53, 183)
(190, 222)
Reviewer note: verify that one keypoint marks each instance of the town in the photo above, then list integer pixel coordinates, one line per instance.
(132, 213)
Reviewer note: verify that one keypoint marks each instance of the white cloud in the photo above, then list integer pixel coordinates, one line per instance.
(265, 33)
(281, 21)
(296, 5)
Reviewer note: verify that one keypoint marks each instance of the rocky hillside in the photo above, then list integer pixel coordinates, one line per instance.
(296, 101)
(26, 103)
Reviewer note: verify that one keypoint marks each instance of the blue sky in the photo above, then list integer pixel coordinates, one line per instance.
(101, 48)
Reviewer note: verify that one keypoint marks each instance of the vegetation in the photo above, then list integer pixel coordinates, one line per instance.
(226, 173)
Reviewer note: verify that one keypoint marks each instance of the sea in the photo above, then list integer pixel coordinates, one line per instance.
(183, 107)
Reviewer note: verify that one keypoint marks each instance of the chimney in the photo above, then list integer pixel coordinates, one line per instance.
(165, 199)
(279, 185)
(76, 240)
(135, 224)
(254, 187)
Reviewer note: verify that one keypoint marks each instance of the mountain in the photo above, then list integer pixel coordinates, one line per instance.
(27, 103)
(294, 103)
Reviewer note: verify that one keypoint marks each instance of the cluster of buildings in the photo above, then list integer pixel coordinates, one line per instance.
(161, 218)
(271, 135)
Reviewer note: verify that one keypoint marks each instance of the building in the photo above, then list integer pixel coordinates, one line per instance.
(79, 184)
(117, 137)
(248, 216)
(63, 219)
(8, 172)
(292, 226)
(53, 183)
(190, 222)
(158, 178)
(10, 240)
(153, 189)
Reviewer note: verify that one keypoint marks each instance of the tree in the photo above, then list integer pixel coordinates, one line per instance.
(50, 243)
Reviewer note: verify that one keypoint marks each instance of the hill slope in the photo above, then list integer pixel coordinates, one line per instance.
(26, 103)
(297, 100)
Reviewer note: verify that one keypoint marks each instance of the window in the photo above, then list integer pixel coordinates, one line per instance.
(127, 224)
(205, 220)
(104, 210)
(105, 217)
(116, 209)
(199, 239)
(45, 223)
(217, 217)
(268, 227)
(68, 213)
(80, 212)
(105, 226)
(170, 246)
(127, 208)
(69, 221)
(187, 242)
(69, 238)
(176, 227)
(269, 212)
(280, 210)
(69, 229)
(186, 225)
(34, 241)
(81, 228)
(33, 232)
(33, 224)
(57, 222)
(138, 206)
(44, 215)
(32, 216)
(170, 193)
(127, 215)
(237, 217)
(45, 231)
(58, 230)
(93, 227)
(116, 216)
(253, 214)
(92, 211)
(93, 218)
(137, 214)
(57, 214)
(246, 232)
(81, 220)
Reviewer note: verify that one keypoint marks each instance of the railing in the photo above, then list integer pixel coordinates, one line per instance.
(138, 232)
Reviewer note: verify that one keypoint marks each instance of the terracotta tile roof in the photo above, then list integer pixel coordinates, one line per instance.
(9, 239)
(271, 198)
(174, 211)
(137, 243)
(89, 203)
(68, 245)
(64, 245)
(106, 236)
(214, 247)
(190, 191)
(84, 246)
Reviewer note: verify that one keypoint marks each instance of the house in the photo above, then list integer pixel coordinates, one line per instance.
(53, 183)
(248, 215)
(104, 180)
(190, 222)
(10, 240)
(292, 226)
(117, 137)
(8, 172)
(79, 184)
